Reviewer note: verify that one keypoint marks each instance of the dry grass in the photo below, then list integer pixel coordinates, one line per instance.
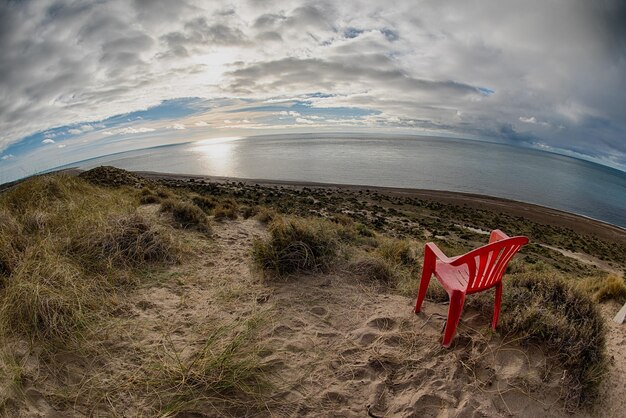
(64, 246)
(611, 287)
(205, 203)
(265, 215)
(224, 374)
(186, 215)
(375, 270)
(48, 298)
(399, 251)
(127, 241)
(297, 244)
(548, 310)
(225, 209)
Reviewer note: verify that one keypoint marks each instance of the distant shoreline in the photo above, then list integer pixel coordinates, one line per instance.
(533, 212)
(536, 213)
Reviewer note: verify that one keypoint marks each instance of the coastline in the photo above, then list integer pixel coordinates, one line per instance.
(536, 213)
(533, 212)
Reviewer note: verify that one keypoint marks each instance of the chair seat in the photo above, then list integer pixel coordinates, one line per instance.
(452, 278)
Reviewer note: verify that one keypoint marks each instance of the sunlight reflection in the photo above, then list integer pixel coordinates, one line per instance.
(216, 154)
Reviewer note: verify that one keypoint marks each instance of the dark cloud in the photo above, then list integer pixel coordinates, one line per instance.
(200, 33)
(373, 69)
(268, 20)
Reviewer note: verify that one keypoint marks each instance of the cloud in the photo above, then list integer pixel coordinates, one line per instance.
(7, 157)
(531, 119)
(48, 141)
(177, 126)
(132, 130)
(457, 67)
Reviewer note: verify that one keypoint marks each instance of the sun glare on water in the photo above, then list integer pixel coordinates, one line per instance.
(216, 154)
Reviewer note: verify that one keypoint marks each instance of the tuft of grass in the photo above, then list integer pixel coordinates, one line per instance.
(601, 289)
(398, 251)
(186, 215)
(11, 243)
(297, 244)
(226, 209)
(225, 373)
(265, 215)
(548, 310)
(127, 240)
(64, 245)
(11, 377)
(148, 197)
(204, 203)
(374, 269)
(249, 211)
(47, 297)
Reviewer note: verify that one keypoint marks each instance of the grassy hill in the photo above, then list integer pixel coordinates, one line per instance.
(122, 295)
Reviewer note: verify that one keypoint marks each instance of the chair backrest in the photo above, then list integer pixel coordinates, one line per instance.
(486, 264)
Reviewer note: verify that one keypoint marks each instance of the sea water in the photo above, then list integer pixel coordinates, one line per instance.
(499, 170)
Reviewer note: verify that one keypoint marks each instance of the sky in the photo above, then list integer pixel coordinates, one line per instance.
(81, 79)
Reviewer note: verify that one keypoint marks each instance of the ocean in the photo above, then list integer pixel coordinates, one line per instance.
(499, 170)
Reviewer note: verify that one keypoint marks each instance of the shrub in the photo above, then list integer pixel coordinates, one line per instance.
(222, 212)
(148, 197)
(297, 244)
(204, 203)
(265, 215)
(249, 211)
(397, 250)
(47, 297)
(548, 310)
(374, 269)
(186, 215)
(125, 241)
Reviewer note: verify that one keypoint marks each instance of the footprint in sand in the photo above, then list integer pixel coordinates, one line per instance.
(319, 310)
(382, 323)
(281, 331)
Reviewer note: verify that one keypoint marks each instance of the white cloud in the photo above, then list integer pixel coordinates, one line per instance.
(201, 123)
(48, 141)
(177, 126)
(528, 120)
(131, 130)
(7, 157)
(61, 146)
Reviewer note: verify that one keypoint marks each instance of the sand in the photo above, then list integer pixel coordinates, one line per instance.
(334, 345)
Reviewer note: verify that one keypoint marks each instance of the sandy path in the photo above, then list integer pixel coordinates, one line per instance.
(336, 347)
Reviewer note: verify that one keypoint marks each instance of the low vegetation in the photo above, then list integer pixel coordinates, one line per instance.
(297, 245)
(601, 289)
(70, 247)
(186, 215)
(546, 309)
(65, 248)
(224, 373)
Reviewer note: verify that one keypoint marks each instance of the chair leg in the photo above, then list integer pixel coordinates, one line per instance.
(424, 282)
(457, 299)
(496, 306)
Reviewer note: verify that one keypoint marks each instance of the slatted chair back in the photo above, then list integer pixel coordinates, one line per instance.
(486, 264)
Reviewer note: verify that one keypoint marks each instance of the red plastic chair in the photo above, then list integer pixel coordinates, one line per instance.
(476, 271)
